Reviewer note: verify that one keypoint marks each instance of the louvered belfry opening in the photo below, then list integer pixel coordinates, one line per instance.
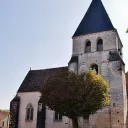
(88, 47)
(99, 45)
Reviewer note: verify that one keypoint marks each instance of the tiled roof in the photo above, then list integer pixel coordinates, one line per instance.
(95, 20)
(34, 80)
(3, 115)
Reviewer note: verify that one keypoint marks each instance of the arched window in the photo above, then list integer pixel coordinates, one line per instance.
(88, 47)
(99, 45)
(94, 67)
(29, 112)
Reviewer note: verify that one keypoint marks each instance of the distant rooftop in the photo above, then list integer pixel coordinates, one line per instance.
(3, 114)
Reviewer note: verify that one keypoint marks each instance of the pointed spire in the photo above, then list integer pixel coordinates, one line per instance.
(95, 20)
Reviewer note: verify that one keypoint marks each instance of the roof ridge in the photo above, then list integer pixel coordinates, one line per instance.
(49, 68)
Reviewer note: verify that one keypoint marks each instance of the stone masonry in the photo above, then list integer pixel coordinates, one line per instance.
(111, 68)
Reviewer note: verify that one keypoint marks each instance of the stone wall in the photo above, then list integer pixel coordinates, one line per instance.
(14, 112)
(113, 116)
(109, 41)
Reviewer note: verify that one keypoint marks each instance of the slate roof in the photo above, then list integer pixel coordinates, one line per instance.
(34, 80)
(74, 59)
(16, 99)
(95, 20)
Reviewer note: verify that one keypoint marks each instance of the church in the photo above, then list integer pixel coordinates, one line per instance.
(96, 45)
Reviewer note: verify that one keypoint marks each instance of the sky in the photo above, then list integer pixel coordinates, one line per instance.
(37, 34)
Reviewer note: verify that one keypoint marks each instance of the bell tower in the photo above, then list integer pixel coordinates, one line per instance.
(97, 46)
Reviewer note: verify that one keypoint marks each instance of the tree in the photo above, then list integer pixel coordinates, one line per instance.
(60, 94)
(74, 95)
(127, 30)
(94, 94)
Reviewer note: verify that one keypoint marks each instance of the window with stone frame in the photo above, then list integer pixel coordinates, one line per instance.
(88, 47)
(57, 116)
(99, 45)
(29, 112)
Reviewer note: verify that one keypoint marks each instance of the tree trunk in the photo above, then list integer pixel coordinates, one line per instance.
(75, 122)
(86, 123)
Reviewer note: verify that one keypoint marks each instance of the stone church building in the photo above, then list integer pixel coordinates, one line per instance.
(96, 45)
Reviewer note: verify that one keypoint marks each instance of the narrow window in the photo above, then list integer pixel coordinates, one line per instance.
(94, 67)
(3, 124)
(120, 51)
(99, 45)
(88, 47)
(29, 112)
(57, 117)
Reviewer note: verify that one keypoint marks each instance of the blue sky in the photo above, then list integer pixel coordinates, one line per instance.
(37, 34)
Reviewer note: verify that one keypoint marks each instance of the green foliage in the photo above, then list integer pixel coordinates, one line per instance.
(127, 30)
(74, 95)
(60, 94)
(4, 110)
(94, 93)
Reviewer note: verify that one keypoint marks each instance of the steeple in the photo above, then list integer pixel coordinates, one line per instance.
(95, 20)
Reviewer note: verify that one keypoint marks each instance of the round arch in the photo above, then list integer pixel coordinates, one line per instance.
(94, 67)
(87, 46)
(99, 44)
